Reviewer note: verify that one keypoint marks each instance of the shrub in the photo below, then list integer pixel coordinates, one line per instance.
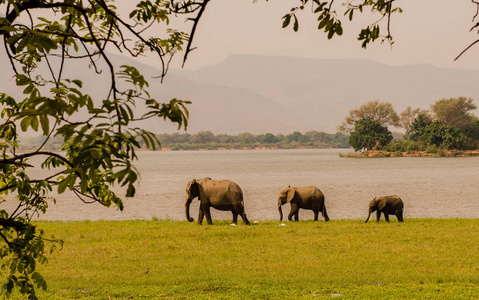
(369, 134)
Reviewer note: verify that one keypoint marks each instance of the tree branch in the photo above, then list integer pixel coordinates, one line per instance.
(468, 47)
(193, 30)
(30, 154)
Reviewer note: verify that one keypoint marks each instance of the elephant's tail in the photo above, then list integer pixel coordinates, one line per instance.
(325, 213)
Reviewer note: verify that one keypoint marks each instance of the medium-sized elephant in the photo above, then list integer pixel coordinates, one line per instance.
(219, 194)
(302, 197)
(388, 205)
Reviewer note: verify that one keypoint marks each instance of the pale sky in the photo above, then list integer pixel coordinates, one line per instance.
(427, 32)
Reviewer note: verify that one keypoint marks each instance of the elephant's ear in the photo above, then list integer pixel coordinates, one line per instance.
(290, 196)
(381, 203)
(190, 184)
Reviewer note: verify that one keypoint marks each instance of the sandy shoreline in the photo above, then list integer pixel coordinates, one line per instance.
(443, 153)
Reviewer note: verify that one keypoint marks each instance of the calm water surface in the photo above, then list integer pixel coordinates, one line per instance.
(429, 187)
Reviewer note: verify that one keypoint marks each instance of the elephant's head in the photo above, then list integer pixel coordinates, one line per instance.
(192, 191)
(285, 196)
(378, 203)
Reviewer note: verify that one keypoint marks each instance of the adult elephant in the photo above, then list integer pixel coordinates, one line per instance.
(220, 194)
(302, 197)
(388, 205)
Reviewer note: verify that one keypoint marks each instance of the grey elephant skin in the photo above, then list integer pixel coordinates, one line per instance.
(388, 205)
(220, 194)
(302, 197)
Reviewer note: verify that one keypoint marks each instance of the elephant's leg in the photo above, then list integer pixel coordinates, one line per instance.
(200, 216)
(399, 216)
(316, 213)
(293, 212)
(235, 217)
(386, 216)
(296, 216)
(290, 216)
(245, 219)
(206, 211)
(378, 215)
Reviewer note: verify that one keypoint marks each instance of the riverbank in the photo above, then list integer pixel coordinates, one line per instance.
(441, 153)
(417, 259)
(242, 147)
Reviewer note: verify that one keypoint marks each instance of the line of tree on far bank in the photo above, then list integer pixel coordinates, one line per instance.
(209, 140)
(448, 125)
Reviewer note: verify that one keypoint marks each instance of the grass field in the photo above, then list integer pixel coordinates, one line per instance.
(347, 259)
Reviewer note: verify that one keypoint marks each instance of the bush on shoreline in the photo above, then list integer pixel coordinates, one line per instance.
(448, 126)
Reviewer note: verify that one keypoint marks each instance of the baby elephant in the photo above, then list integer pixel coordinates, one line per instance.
(302, 197)
(388, 205)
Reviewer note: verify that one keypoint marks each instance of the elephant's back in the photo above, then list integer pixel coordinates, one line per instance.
(396, 200)
(225, 195)
(224, 185)
(312, 190)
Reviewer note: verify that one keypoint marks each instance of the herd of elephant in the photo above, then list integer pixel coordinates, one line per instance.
(226, 195)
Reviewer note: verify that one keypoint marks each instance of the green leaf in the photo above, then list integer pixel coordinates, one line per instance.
(130, 192)
(331, 32)
(34, 123)
(45, 123)
(22, 80)
(286, 20)
(25, 123)
(339, 29)
(62, 186)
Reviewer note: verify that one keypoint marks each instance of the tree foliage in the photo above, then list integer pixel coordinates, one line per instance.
(407, 117)
(451, 126)
(418, 125)
(381, 112)
(329, 20)
(440, 134)
(310, 139)
(330, 14)
(98, 147)
(455, 111)
(369, 134)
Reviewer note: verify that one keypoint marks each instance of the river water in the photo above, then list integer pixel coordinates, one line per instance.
(429, 187)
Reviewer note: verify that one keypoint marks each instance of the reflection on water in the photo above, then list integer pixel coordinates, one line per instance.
(429, 187)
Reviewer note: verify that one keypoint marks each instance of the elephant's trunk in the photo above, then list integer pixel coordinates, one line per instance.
(280, 211)
(368, 216)
(187, 209)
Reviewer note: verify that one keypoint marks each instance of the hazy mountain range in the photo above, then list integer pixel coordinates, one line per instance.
(259, 94)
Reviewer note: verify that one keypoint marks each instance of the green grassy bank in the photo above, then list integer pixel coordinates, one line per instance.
(418, 259)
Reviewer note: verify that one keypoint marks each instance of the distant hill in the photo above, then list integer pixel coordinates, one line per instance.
(321, 92)
(259, 94)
